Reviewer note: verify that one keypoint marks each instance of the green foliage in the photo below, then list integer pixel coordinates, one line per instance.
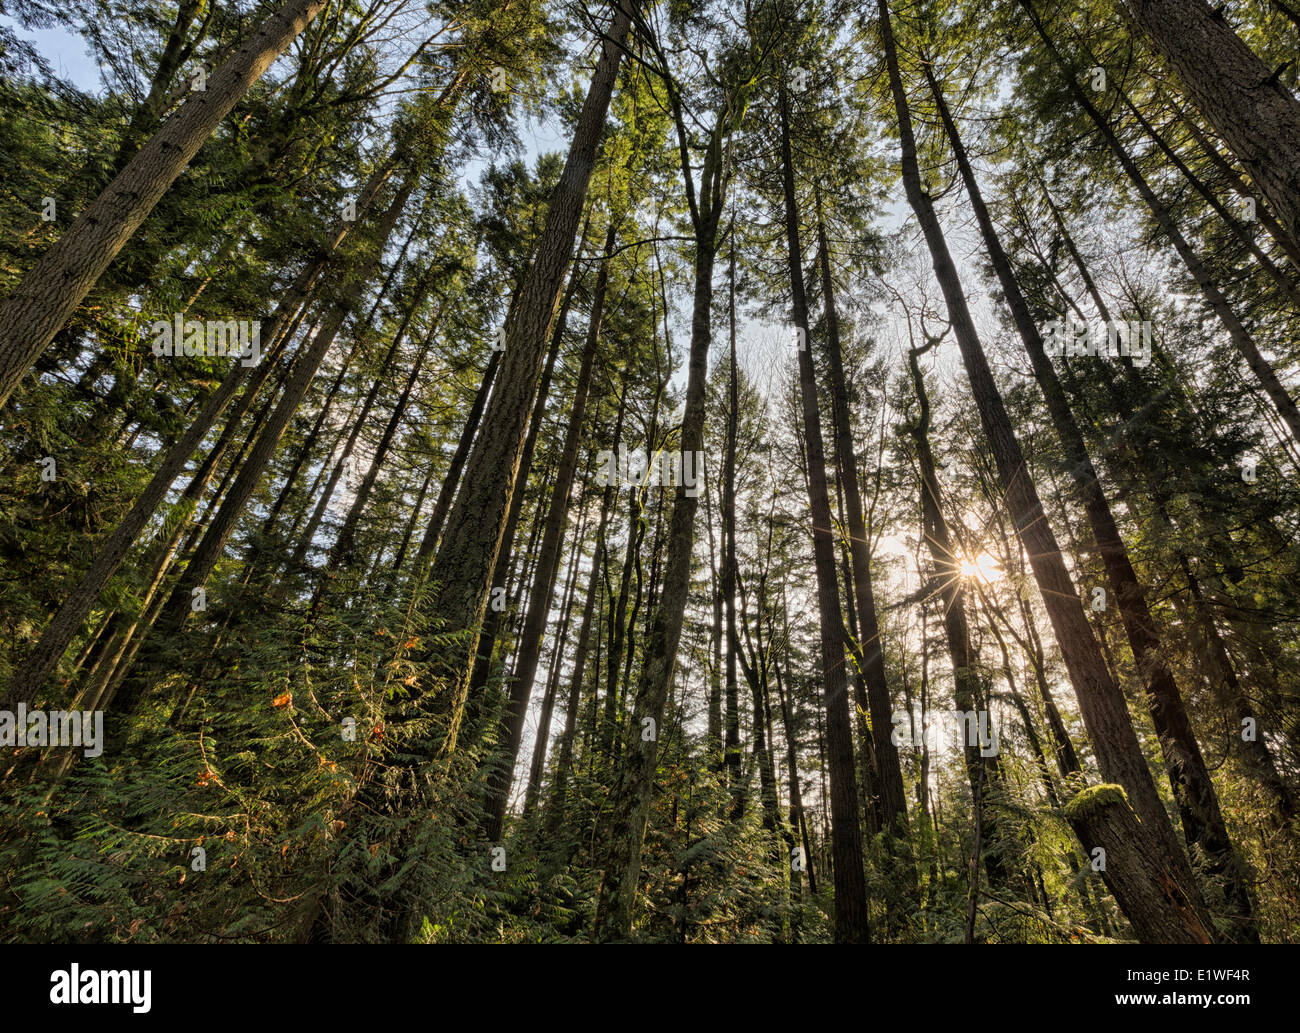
(277, 765)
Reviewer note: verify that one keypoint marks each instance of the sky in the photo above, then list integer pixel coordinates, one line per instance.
(64, 50)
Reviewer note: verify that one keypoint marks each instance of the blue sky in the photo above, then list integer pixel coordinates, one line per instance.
(65, 51)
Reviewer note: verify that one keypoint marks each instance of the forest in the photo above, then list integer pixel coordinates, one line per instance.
(661, 471)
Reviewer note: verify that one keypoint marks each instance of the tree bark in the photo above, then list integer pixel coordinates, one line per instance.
(222, 525)
(462, 568)
(308, 534)
(1236, 92)
(340, 555)
(542, 741)
(846, 833)
(736, 779)
(634, 790)
(511, 730)
(452, 478)
(43, 659)
(1189, 778)
(590, 620)
(486, 645)
(48, 295)
(964, 659)
(1239, 335)
(1148, 893)
(889, 775)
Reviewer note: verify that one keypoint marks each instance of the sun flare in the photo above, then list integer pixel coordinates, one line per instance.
(982, 566)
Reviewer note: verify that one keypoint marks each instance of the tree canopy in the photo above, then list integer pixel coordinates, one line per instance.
(722, 471)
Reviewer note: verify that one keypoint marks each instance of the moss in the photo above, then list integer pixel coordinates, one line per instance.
(1092, 799)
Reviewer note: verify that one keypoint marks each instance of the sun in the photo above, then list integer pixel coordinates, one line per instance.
(982, 566)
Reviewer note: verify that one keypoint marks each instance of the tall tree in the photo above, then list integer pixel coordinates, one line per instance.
(461, 570)
(39, 307)
(1100, 700)
(1236, 92)
(1198, 803)
(846, 833)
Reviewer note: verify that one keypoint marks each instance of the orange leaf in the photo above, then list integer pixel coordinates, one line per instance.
(282, 701)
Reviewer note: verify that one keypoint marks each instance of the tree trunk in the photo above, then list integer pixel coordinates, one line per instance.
(1284, 284)
(714, 735)
(797, 816)
(736, 779)
(1189, 778)
(487, 638)
(174, 53)
(304, 453)
(846, 833)
(48, 295)
(1147, 892)
(340, 555)
(309, 445)
(1236, 92)
(511, 730)
(308, 534)
(542, 741)
(45, 656)
(1289, 245)
(462, 568)
(222, 525)
(889, 776)
(452, 478)
(964, 659)
(633, 792)
(1101, 703)
(590, 621)
(1239, 335)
